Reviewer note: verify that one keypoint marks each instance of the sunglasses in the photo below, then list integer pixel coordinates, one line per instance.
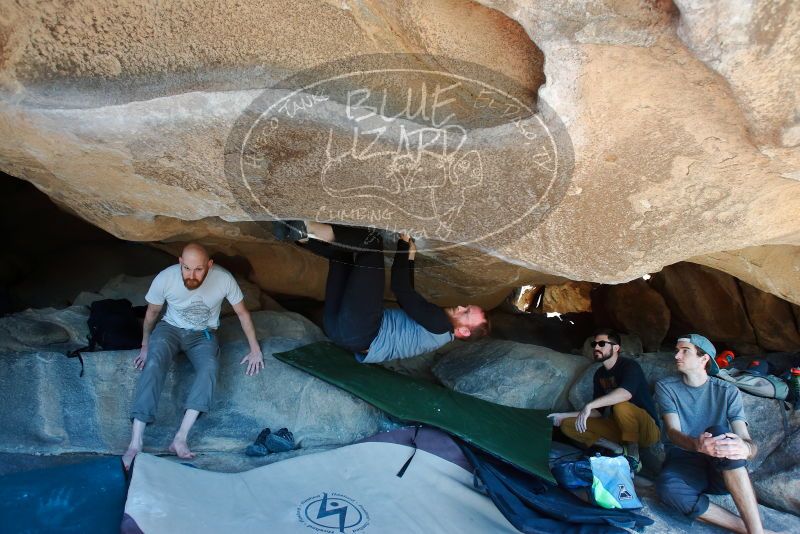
(601, 344)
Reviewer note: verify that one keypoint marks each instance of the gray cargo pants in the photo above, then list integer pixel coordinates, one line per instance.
(200, 346)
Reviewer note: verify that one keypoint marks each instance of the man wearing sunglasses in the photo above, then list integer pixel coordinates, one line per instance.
(621, 416)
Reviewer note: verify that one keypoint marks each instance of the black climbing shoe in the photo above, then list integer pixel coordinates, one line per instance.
(633, 461)
(259, 448)
(635, 464)
(289, 230)
(280, 441)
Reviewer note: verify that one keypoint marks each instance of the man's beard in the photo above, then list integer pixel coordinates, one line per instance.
(191, 283)
(601, 357)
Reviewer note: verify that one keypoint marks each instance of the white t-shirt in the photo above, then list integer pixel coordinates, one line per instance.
(194, 309)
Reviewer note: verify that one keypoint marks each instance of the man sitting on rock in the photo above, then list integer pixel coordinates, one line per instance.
(619, 384)
(193, 290)
(354, 315)
(703, 454)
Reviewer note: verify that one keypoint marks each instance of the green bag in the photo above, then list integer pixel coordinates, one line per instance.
(769, 386)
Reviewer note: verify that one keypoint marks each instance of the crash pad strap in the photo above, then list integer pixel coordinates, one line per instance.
(519, 436)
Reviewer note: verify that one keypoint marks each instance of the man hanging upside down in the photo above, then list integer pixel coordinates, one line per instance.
(355, 317)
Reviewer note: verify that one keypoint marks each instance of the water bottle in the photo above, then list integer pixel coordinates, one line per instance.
(794, 386)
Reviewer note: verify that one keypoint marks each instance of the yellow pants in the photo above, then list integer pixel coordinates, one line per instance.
(628, 424)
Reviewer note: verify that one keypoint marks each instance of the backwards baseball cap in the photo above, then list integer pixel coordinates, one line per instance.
(702, 343)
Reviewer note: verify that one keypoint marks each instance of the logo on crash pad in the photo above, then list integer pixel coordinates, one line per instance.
(623, 494)
(333, 513)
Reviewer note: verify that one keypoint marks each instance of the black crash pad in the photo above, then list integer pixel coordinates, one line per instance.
(83, 498)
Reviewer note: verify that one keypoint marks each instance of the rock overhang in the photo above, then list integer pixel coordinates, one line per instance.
(666, 168)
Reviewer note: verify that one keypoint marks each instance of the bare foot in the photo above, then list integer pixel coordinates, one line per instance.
(130, 454)
(181, 449)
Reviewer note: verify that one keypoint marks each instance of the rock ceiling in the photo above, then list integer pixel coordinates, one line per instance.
(525, 141)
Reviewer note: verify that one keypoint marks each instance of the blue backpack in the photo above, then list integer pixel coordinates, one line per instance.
(607, 480)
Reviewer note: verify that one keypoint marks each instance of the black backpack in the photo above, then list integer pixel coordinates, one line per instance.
(113, 325)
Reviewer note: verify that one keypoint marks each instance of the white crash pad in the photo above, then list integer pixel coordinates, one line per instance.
(354, 489)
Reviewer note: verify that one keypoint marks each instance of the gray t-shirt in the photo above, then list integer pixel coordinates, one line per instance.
(401, 337)
(194, 309)
(714, 403)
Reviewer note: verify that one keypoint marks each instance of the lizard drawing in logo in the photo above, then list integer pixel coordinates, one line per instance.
(196, 313)
(424, 172)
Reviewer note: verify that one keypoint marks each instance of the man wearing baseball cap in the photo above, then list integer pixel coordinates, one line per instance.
(706, 440)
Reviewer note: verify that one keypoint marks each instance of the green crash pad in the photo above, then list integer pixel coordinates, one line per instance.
(519, 436)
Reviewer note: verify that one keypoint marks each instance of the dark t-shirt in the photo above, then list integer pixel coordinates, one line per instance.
(431, 317)
(626, 374)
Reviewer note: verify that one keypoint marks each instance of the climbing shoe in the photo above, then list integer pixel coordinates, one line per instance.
(259, 448)
(289, 230)
(280, 441)
(633, 461)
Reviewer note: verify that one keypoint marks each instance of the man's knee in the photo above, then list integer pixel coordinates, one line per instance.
(627, 416)
(207, 368)
(159, 353)
(155, 367)
(717, 430)
(203, 354)
(635, 424)
(725, 464)
(676, 493)
(624, 410)
(156, 364)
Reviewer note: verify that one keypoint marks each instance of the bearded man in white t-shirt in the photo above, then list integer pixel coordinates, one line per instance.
(193, 291)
